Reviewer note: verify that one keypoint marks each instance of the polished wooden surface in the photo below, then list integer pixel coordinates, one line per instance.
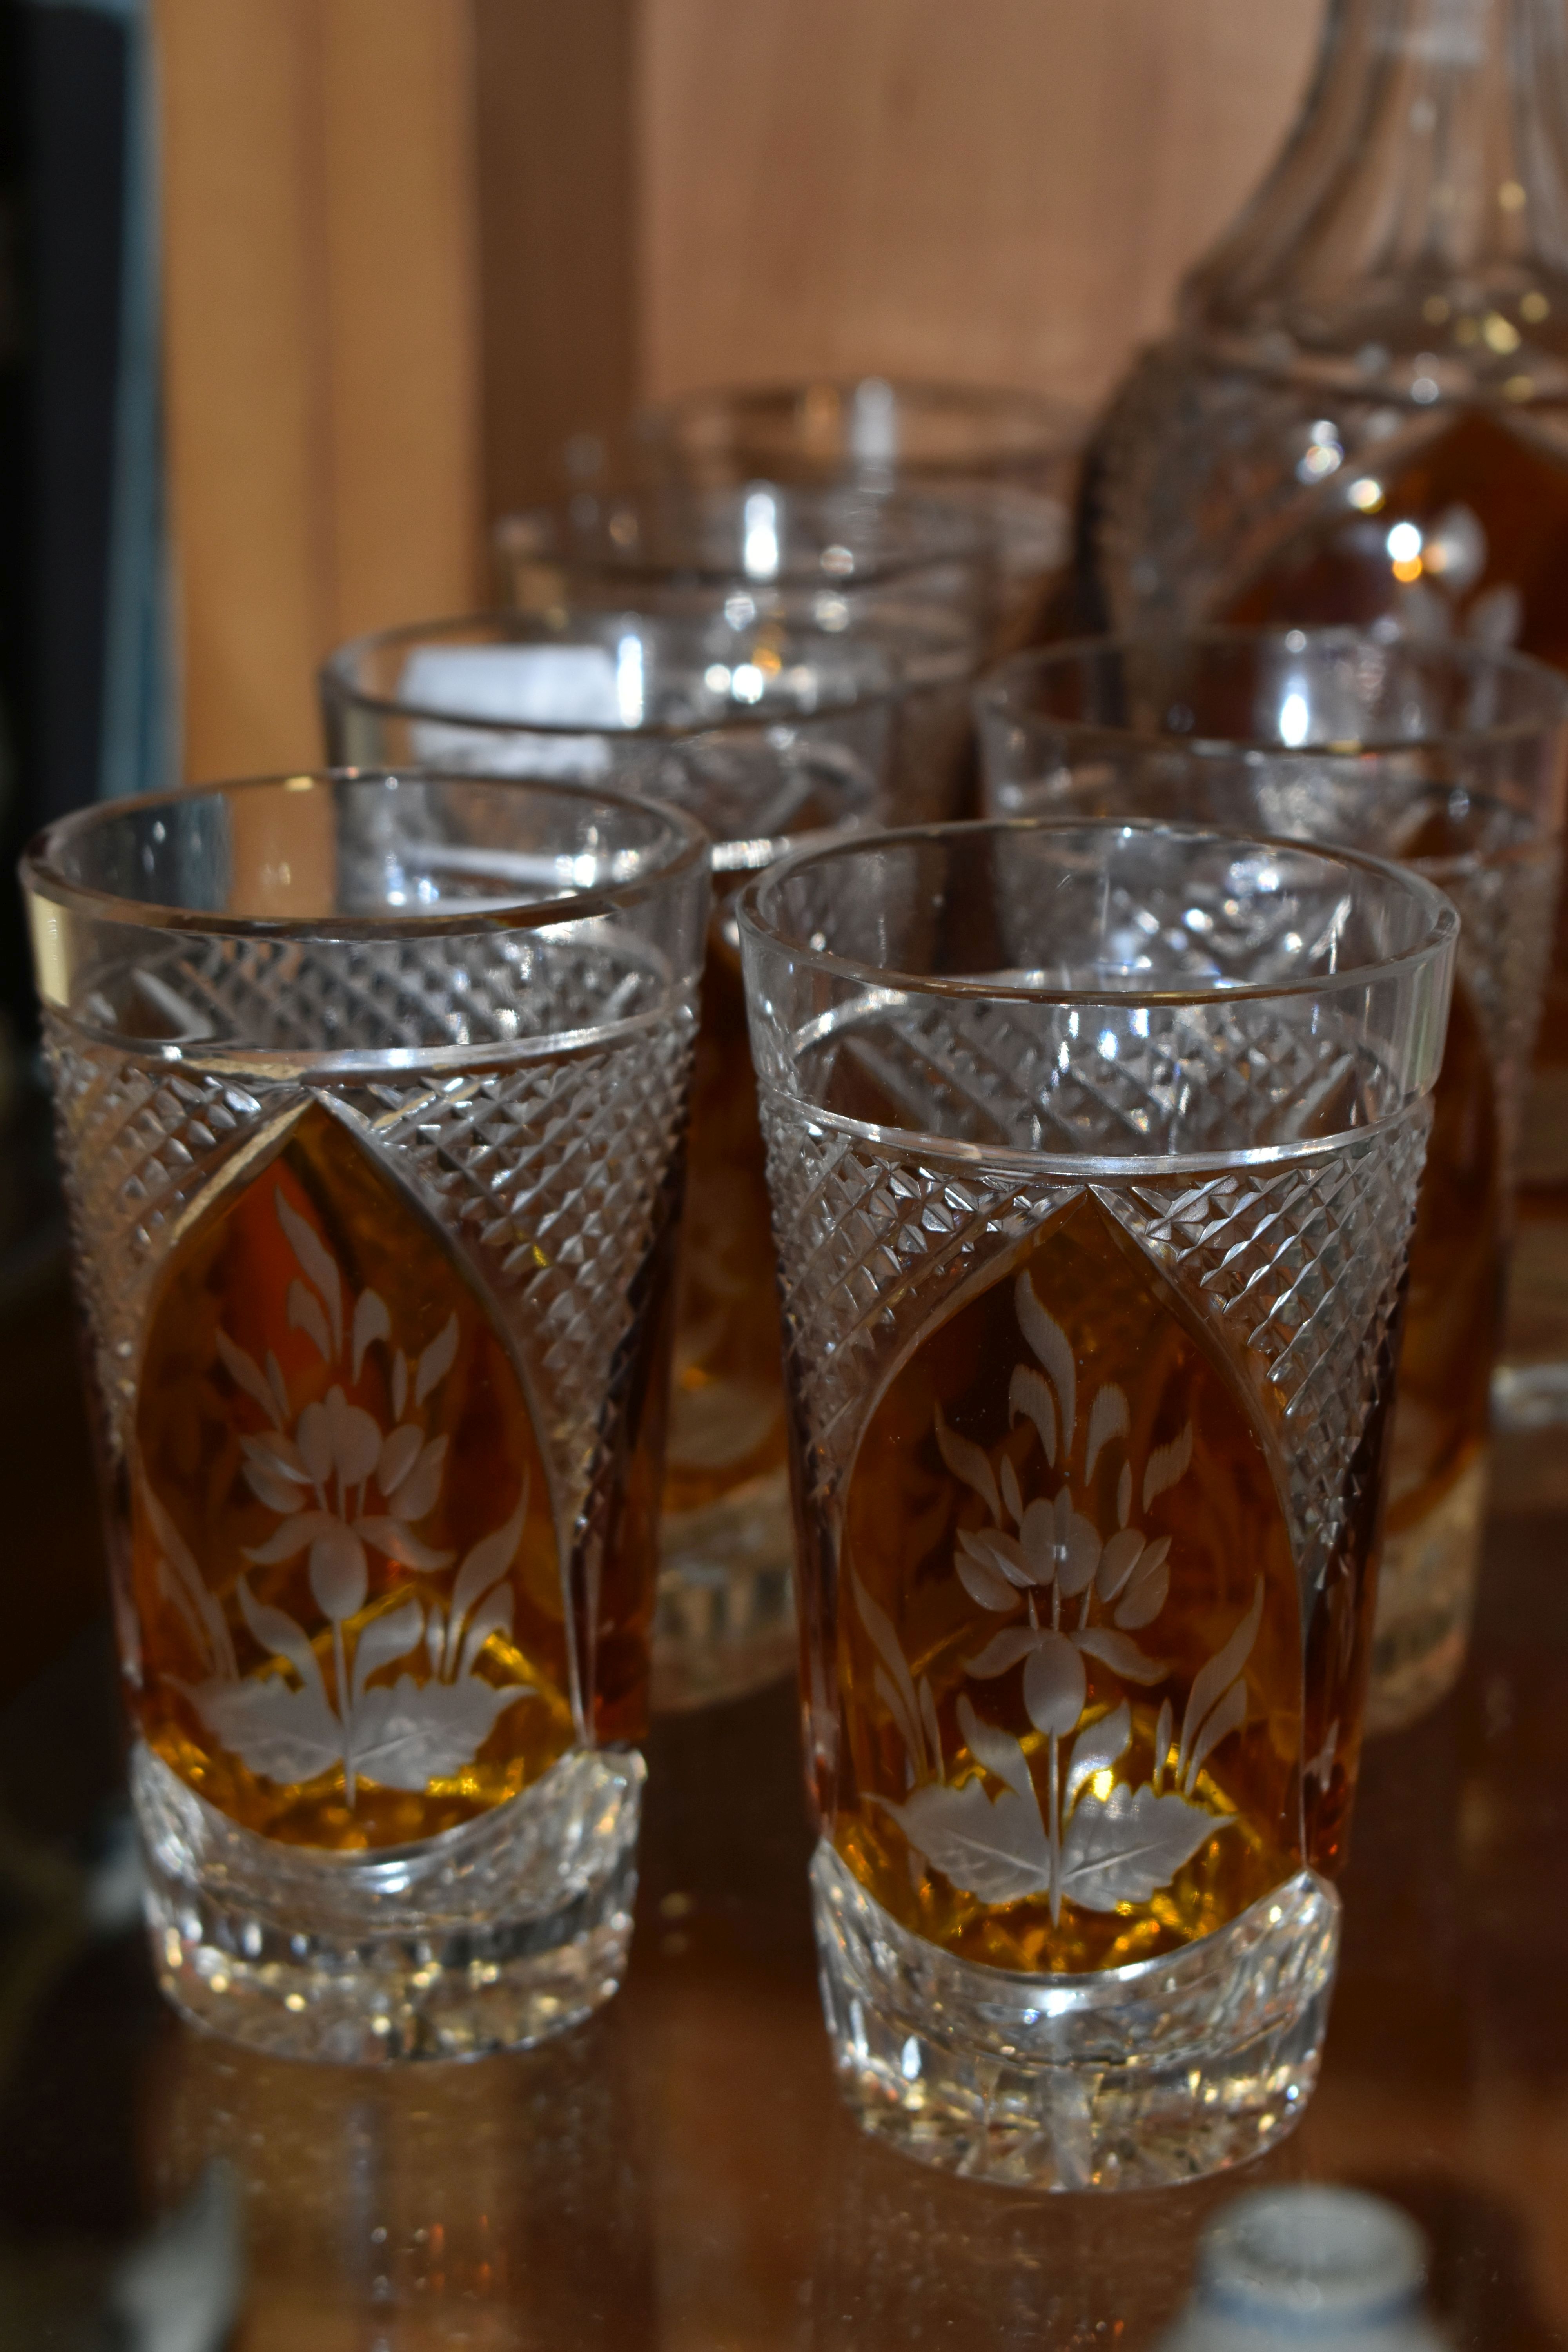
(680, 2174)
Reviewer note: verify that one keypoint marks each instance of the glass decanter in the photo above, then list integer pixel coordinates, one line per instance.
(1363, 417)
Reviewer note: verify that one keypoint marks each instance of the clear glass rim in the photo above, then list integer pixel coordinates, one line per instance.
(961, 540)
(1007, 691)
(335, 675)
(686, 851)
(1068, 424)
(757, 908)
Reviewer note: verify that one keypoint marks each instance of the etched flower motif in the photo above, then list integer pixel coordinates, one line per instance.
(319, 1475)
(1043, 1564)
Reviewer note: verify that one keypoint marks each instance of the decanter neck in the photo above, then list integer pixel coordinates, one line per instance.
(1429, 163)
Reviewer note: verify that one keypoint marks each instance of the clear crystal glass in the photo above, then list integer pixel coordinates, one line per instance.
(762, 730)
(1010, 459)
(1363, 417)
(1092, 1152)
(1453, 759)
(370, 1093)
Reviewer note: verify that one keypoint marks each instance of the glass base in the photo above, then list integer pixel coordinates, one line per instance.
(493, 1936)
(1426, 1599)
(1128, 2078)
(725, 1621)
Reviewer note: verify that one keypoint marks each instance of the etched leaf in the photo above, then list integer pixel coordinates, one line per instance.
(1107, 1418)
(422, 1487)
(1124, 1495)
(982, 1579)
(970, 1463)
(269, 1480)
(280, 1637)
(885, 1641)
(278, 1387)
(1003, 1650)
(993, 1849)
(179, 1563)
(437, 1360)
(307, 1314)
(1227, 1716)
(1123, 1848)
(398, 1456)
(931, 1727)
(1095, 1750)
(279, 1733)
(289, 1540)
(1049, 1342)
(905, 1715)
(400, 1543)
(1163, 1731)
(1054, 1685)
(1145, 1594)
(996, 1750)
(1011, 1494)
(489, 1560)
(1120, 1652)
(1117, 1562)
(1212, 1678)
(383, 1639)
(316, 1260)
(493, 1615)
(371, 1321)
(247, 1375)
(399, 1383)
(999, 1550)
(1029, 1399)
(1167, 1465)
(408, 1734)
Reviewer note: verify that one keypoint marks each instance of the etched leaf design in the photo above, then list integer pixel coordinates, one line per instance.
(1012, 1494)
(1123, 1848)
(1212, 1678)
(269, 1479)
(340, 1573)
(885, 1641)
(1227, 1716)
(1000, 1551)
(489, 1560)
(991, 1848)
(1167, 1465)
(1054, 1685)
(398, 1456)
(1049, 1342)
(437, 1360)
(419, 1491)
(493, 1615)
(1095, 1750)
(970, 1463)
(996, 1750)
(176, 1559)
(307, 1314)
(281, 1734)
(931, 1727)
(383, 1639)
(1107, 1418)
(401, 1544)
(899, 1708)
(371, 1321)
(1145, 1594)
(287, 1542)
(1003, 1650)
(1117, 1562)
(317, 1261)
(1120, 1654)
(282, 1638)
(245, 1374)
(1029, 1399)
(408, 1734)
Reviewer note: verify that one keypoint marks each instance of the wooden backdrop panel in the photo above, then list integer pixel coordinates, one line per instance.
(1000, 190)
(320, 345)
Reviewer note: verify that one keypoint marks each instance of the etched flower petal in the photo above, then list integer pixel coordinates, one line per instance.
(1038, 1537)
(1117, 1562)
(1077, 1546)
(340, 1573)
(1054, 1686)
(354, 1436)
(419, 1490)
(398, 1456)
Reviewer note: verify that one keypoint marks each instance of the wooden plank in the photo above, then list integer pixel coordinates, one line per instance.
(320, 348)
(559, 179)
(1006, 190)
